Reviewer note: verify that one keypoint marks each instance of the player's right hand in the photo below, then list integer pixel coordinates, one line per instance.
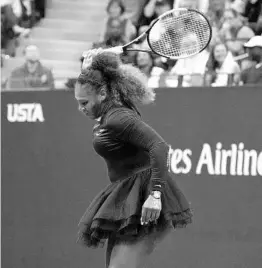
(88, 56)
(117, 50)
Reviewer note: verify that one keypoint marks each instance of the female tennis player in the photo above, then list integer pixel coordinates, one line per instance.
(143, 202)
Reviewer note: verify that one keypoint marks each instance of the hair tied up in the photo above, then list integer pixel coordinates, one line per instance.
(107, 63)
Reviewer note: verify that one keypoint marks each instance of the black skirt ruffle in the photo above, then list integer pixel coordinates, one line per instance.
(117, 210)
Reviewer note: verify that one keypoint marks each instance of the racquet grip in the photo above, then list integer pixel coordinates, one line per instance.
(116, 50)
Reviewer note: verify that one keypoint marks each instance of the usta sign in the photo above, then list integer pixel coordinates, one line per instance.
(25, 112)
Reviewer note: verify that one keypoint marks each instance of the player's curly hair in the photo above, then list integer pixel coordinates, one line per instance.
(124, 83)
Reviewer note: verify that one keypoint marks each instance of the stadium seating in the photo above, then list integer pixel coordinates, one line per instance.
(70, 27)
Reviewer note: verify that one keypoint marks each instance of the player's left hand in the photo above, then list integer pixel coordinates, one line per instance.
(151, 210)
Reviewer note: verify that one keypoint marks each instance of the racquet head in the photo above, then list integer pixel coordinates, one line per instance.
(179, 33)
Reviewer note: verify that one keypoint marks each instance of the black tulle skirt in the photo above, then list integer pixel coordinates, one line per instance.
(117, 211)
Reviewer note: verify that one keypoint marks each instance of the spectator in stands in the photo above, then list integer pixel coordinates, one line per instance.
(145, 62)
(221, 68)
(190, 70)
(113, 40)
(253, 75)
(40, 7)
(158, 61)
(235, 32)
(23, 11)
(32, 74)
(215, 37)
(117, 22)
(187, 4)
(252, 10)
(10, 29)
(237, 5)
(141, 29)
(215, 13)
(153, 9)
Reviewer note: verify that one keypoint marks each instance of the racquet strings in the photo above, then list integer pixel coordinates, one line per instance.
(180, 33)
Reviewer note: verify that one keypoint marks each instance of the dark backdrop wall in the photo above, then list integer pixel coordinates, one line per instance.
(50, 173)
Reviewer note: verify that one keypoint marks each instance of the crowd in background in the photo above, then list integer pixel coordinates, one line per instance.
(233, 57)
(17, 19)
(224, 62)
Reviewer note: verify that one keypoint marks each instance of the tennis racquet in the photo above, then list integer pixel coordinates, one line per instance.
(178, 33)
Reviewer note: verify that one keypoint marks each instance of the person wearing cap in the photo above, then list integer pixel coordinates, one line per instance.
(235, 32)
(32, 74)
(253, 74)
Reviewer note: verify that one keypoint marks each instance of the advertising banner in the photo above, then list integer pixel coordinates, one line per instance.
(50, 173)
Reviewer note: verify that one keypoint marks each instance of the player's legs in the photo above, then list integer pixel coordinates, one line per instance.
(126, 254)
(110, 245)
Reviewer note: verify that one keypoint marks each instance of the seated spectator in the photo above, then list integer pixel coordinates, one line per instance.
(40, 8)
(253, 75)
(235, 32)
(10, 30)
(24, 12)
(215, 37)
(252, 10)
(117, 22)
(188, 4)
(237, 5)
(153, 9)
(145, 62)
(32, 74)
(143, 41)
(215, 13)
(116, 39)
(191, 70)
(221, 68)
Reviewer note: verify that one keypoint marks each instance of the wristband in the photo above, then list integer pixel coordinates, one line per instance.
(156, 194)
(157, 185)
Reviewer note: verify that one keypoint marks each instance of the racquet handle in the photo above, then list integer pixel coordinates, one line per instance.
(116, 50)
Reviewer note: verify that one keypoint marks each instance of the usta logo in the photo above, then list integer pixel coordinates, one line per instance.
(25, 112)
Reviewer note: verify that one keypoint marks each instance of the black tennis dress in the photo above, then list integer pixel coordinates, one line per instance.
(137, 161)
